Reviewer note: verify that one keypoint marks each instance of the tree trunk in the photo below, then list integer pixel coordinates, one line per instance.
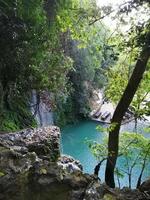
(143, 167)
(120, 110)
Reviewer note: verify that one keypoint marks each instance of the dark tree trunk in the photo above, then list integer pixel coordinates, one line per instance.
(143, 167)
(121, 108)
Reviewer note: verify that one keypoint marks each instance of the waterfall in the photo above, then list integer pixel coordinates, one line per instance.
(41, 109)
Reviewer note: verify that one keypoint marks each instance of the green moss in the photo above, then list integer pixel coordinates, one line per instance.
(43, 171)
(109, 197)
(8, 124)
(4, 149)
(17, 117)
(1, 174)
(54, 157)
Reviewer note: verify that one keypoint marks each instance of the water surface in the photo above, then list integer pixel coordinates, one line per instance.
(73, 143)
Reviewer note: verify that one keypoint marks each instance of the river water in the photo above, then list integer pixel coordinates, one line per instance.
(73, 143)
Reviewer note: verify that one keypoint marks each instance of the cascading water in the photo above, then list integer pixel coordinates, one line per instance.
(41, 108)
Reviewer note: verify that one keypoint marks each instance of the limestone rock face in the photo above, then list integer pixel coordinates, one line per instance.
(31, 167)
(20, 152)
(42, 141)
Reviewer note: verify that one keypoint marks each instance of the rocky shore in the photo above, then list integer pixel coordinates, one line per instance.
(31, 168)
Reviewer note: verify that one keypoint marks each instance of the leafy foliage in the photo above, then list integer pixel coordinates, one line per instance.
(118, 77)
(31, 58)
(134, 151)
(87, 47)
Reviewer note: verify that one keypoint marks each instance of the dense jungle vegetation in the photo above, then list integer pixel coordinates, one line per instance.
(65, 48)
(49, 46)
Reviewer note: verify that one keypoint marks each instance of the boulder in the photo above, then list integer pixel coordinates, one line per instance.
(145, 187)
(32, 168)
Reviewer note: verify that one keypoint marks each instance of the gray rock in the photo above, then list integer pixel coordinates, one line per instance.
(31, 168)
(145, 186)
(30, 165)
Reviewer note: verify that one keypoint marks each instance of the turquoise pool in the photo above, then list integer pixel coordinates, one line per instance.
(73, 143)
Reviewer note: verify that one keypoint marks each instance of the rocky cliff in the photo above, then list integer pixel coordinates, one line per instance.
(31, 168)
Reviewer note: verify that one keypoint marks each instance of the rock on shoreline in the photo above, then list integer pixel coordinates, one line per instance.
(31, 168)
